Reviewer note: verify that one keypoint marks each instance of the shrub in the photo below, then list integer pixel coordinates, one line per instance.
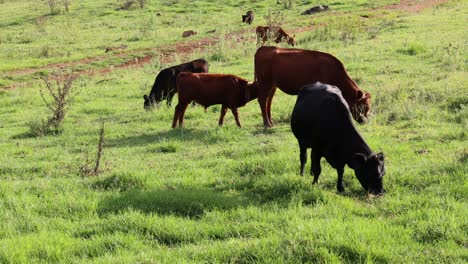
(41, 23)
(129, 3)
(142, 3)
(288, 4)
(274, 20)
(59, 101)
(54, 6)
(86, 169)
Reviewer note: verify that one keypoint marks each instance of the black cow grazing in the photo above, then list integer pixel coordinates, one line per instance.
(248, 17)
(164, 86)
(315, 9)
(321, 121)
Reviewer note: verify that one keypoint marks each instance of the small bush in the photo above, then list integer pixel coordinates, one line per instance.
(66, 5)
(142, 3)
(274, 20)
(85, 169)
(59, 101)
(288, 4)
(41, 23)
(55, 6)
(41, 128)
(127, 4)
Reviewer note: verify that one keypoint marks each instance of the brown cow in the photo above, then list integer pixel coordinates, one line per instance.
(208, 89)
(290, 69)
(188, 33)
(278, 33)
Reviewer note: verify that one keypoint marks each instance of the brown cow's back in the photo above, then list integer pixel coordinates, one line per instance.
(290, 69)
(207, 88)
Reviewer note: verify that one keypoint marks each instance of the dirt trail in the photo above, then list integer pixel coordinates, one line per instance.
(182, 49)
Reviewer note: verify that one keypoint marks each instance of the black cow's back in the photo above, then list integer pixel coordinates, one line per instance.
(320, 113)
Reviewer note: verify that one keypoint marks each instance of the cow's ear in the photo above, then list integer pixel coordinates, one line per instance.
(360, 94)
(368, 95)
(357, 161)
(145, 97)
(380, 156)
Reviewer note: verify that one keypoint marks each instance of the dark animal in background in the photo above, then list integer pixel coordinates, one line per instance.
(164, 86)
(206, 89)
(211, 31)
(321, 121)
(315, 9)
(278, 35)
(188, 33)
(121, 47)
(248, 17)
(290, 69)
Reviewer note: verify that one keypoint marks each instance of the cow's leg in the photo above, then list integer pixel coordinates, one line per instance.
(315, 168)
(339, 184)
(236, 116)
(269, 101)
(302, 157)
(176, 115)
(262, 100)
(223, 113)
(182, 113)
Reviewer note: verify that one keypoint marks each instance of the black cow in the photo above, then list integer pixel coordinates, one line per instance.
(248, 17)
(315, 9)
(321, 121)
(164, 86)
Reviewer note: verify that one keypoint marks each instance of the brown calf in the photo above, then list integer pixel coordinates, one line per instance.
(207, 89)
(188, 33)
(278, 34)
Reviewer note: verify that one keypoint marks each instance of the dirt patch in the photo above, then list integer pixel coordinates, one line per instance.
(183, 49)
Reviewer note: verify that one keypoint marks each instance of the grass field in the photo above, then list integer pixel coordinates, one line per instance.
(211, 194)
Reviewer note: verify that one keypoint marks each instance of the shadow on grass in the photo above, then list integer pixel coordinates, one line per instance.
(25, 135)
(192, 203)
(187, 135)
(282, 190)
(144, 139)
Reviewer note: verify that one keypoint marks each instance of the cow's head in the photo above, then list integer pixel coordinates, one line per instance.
(361, 108)
(369, 171)
(251, 92)
(151, 101)
(148, 104)
(200, 66)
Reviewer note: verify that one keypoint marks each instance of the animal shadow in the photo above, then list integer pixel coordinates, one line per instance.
(173, 134)
(192, 203)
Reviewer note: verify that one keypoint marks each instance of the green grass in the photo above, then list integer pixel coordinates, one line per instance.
(210, 194)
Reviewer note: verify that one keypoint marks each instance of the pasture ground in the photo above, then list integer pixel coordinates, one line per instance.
(210, 194)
